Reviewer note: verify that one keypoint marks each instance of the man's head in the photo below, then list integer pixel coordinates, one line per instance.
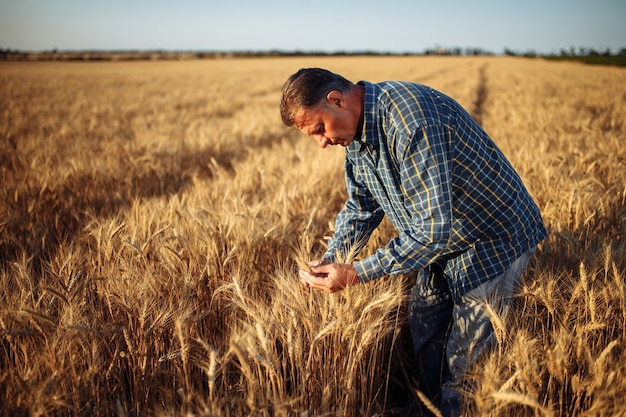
(323, 105)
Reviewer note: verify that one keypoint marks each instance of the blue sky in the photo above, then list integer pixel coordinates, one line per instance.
(325, 25)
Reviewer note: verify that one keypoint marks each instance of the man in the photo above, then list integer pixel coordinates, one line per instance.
(466, 224)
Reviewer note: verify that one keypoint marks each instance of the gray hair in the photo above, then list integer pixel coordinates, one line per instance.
(308, 88)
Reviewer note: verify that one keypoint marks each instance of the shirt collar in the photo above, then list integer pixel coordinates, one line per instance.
(367, 135)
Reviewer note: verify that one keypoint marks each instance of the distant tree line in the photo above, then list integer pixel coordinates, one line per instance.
(572, 52)
(587, 55)
(581, 54)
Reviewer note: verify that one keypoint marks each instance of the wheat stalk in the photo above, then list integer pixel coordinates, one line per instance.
(509, 397)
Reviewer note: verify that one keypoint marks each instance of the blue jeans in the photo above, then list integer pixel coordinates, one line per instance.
(448, 338)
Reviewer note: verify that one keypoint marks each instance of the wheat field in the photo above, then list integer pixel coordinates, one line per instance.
(154, 215)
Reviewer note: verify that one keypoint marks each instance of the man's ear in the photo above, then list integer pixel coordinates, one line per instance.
(335, 98)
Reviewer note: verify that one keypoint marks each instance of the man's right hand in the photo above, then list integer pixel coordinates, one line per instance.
(328, 276)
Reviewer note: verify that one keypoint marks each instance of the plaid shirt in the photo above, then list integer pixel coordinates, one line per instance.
(451, 194)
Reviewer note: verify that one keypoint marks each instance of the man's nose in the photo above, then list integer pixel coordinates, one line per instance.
(322, 141)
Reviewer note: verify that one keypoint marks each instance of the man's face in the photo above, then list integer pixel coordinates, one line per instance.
(329, 123)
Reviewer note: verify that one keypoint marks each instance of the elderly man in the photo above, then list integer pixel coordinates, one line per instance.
(466, 224)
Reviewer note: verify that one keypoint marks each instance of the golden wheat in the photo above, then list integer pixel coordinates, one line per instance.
(155, 214)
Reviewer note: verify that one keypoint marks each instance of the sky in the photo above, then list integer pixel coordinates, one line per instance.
(396, 26)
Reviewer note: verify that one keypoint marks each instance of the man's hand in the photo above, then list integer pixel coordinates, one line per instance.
(329, 277)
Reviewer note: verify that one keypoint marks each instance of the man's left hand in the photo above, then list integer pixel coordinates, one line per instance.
(331, 277)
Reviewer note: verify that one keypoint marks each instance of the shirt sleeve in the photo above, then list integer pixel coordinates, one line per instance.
(355, 222)
(425, 172)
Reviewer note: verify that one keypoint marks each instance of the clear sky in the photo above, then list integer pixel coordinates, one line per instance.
(543, 26)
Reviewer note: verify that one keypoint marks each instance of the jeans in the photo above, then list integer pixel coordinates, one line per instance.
(448, 338)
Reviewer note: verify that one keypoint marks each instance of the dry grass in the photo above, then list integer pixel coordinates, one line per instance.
(154, 216)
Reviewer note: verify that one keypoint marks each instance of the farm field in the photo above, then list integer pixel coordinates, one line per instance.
(154, 214)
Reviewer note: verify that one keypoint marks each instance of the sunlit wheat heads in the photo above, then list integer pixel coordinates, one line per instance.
(154, 216)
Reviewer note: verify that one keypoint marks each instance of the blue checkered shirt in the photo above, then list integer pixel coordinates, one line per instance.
(450, 193)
